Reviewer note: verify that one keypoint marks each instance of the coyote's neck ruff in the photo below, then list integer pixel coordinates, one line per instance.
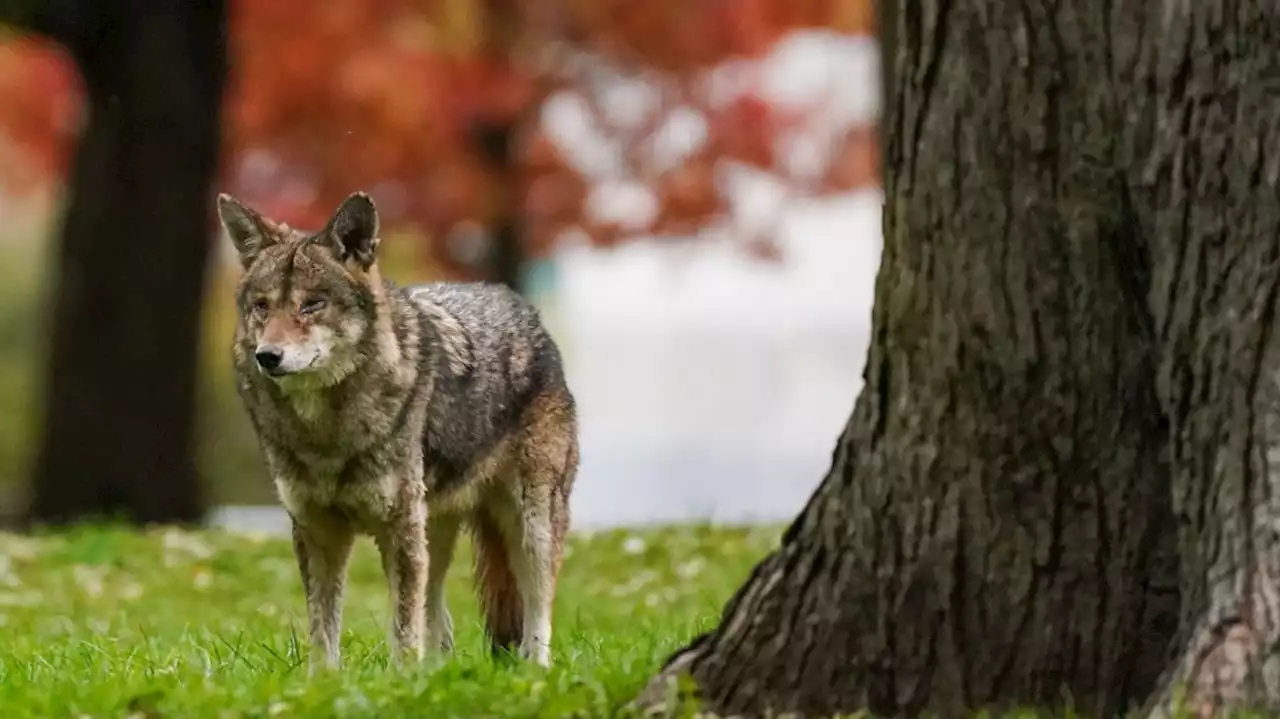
(403, 413)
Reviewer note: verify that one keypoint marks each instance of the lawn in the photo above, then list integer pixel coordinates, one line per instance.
(110, 622)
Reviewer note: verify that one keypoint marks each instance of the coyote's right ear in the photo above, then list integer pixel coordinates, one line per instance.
(246, 228)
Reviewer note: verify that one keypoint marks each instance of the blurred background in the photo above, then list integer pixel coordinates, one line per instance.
(686, 188)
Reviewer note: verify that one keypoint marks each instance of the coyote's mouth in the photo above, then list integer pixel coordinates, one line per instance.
(317, 374)
(285, 373)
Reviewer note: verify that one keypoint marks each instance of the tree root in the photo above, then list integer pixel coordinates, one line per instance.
(1230, 664)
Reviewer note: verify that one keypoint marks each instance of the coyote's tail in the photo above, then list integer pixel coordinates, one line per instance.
(496, 585)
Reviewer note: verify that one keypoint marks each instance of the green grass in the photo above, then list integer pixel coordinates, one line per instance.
(105, 621)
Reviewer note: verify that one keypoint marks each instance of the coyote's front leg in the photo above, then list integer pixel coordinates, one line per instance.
(322, 545)
(403, 544)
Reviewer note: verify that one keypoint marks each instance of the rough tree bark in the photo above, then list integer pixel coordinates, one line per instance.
(1209, 178)
(120, 384)
(1063, 453)
(1067, 445)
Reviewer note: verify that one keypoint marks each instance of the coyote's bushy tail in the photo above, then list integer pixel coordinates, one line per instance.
(496, 585)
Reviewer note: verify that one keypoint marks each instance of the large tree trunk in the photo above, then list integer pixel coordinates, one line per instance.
(1067, 443)
(120, 384)
(997, 527)
(1210, 177)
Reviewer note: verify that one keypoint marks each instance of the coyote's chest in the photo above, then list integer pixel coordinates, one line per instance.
(362, 486)
(368, 504)
(333, 459)
(327, 427)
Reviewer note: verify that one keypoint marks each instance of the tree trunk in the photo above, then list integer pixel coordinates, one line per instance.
(507, 25)
(997, 527)
(506, 257)
(121, 378)
(1210, 179)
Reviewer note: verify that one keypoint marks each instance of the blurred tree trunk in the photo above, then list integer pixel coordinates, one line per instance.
(506, 258)
(507, 28)
(121, 377)
(997, 526)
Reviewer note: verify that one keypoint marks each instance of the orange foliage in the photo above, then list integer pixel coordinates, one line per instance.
(40, 111)
(386, 95)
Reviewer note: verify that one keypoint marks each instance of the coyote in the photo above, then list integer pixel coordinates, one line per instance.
(403, 413)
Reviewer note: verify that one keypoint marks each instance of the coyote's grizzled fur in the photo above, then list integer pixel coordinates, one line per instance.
(403, 413)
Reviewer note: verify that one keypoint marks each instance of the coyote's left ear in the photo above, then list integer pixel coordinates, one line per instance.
(246, 228)
(354, 230)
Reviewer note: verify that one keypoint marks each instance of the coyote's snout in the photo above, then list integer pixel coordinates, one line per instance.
(405, 414)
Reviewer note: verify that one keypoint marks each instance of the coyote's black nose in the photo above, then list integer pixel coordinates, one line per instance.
(269, 357)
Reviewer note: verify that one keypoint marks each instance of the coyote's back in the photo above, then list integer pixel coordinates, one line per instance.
(496, 362)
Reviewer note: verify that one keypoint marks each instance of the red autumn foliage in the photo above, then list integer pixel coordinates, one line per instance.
(386, 95)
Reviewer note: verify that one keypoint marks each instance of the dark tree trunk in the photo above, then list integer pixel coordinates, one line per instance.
(998, 528)
(121, 378)
(507, 27)
(505, 261)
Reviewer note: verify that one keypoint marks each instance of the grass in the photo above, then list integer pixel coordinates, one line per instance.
(110, 622)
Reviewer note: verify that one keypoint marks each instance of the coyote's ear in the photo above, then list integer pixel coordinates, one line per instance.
(354, 230)
(246, 228)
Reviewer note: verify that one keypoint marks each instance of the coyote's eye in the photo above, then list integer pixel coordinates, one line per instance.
(312, 306)
(260, 305)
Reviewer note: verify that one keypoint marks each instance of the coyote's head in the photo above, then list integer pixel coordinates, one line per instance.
(306, 301)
